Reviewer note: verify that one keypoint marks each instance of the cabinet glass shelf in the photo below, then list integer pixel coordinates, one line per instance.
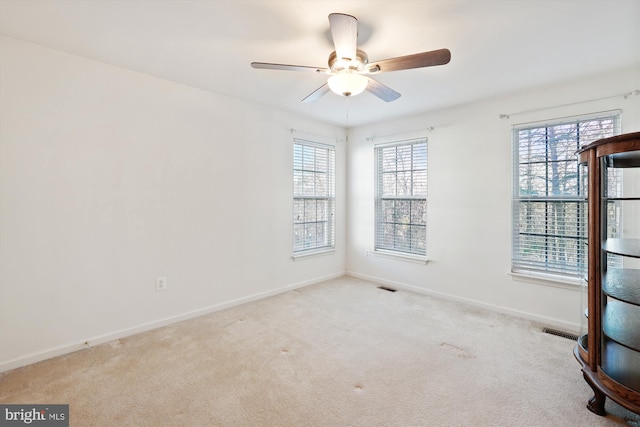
(621, 323)
(622, 284)
(624, 247)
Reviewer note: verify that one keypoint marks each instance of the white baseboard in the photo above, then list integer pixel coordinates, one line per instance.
(542, 320)
(97, 340)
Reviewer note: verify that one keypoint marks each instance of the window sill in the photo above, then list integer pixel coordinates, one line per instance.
(398, 255)
(312, 253)
(549, 280)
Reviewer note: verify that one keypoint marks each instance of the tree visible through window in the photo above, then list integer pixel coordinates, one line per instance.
(401, 197)
(313, 196)
(549, 201)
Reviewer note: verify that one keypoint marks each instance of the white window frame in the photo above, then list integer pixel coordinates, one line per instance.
(544, 258)
(313, 197)
(390, 224)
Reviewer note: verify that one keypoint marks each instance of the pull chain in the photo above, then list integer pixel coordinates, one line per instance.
(347, 125)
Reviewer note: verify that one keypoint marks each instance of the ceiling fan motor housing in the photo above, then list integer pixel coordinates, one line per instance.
(356, 64)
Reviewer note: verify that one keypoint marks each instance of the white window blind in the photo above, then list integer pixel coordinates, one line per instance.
(549, 194)
(401, 197)
(313, 196)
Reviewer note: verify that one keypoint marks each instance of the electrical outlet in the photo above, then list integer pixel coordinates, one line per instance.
(161, 283)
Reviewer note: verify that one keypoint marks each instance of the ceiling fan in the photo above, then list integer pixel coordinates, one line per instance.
(349, 67)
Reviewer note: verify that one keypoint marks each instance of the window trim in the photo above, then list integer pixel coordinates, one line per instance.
(552, 280)
(391, 252)
(532, 274)
(310, 253)
(330, 197)
(404, 256)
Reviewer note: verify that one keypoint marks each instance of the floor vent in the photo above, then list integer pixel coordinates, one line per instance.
(566, 335)
(384, 288)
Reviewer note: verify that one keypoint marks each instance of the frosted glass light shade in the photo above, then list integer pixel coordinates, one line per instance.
(347, 83)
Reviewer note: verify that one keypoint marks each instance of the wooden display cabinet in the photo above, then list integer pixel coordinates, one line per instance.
(610, 351)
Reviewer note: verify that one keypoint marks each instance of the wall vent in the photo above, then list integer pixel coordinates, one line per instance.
(384, 288)
(562, 334)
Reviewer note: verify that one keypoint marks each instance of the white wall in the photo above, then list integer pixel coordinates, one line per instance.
(469, 201)
(110, 178)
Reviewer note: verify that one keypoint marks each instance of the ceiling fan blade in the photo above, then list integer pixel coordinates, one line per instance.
(381, 91)
(317, 94)
(417, 60)
(270, 66)
(344, 31)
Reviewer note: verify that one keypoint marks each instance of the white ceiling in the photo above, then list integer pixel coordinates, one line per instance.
(497, 46)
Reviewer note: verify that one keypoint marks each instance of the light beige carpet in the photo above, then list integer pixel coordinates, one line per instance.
(341, 353)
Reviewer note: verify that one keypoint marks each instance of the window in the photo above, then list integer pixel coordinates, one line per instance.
(549, 195)
(313, 196)
(401, 197)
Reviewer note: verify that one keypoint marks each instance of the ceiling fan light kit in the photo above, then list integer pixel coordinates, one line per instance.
(349, 67)
(347, 83)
